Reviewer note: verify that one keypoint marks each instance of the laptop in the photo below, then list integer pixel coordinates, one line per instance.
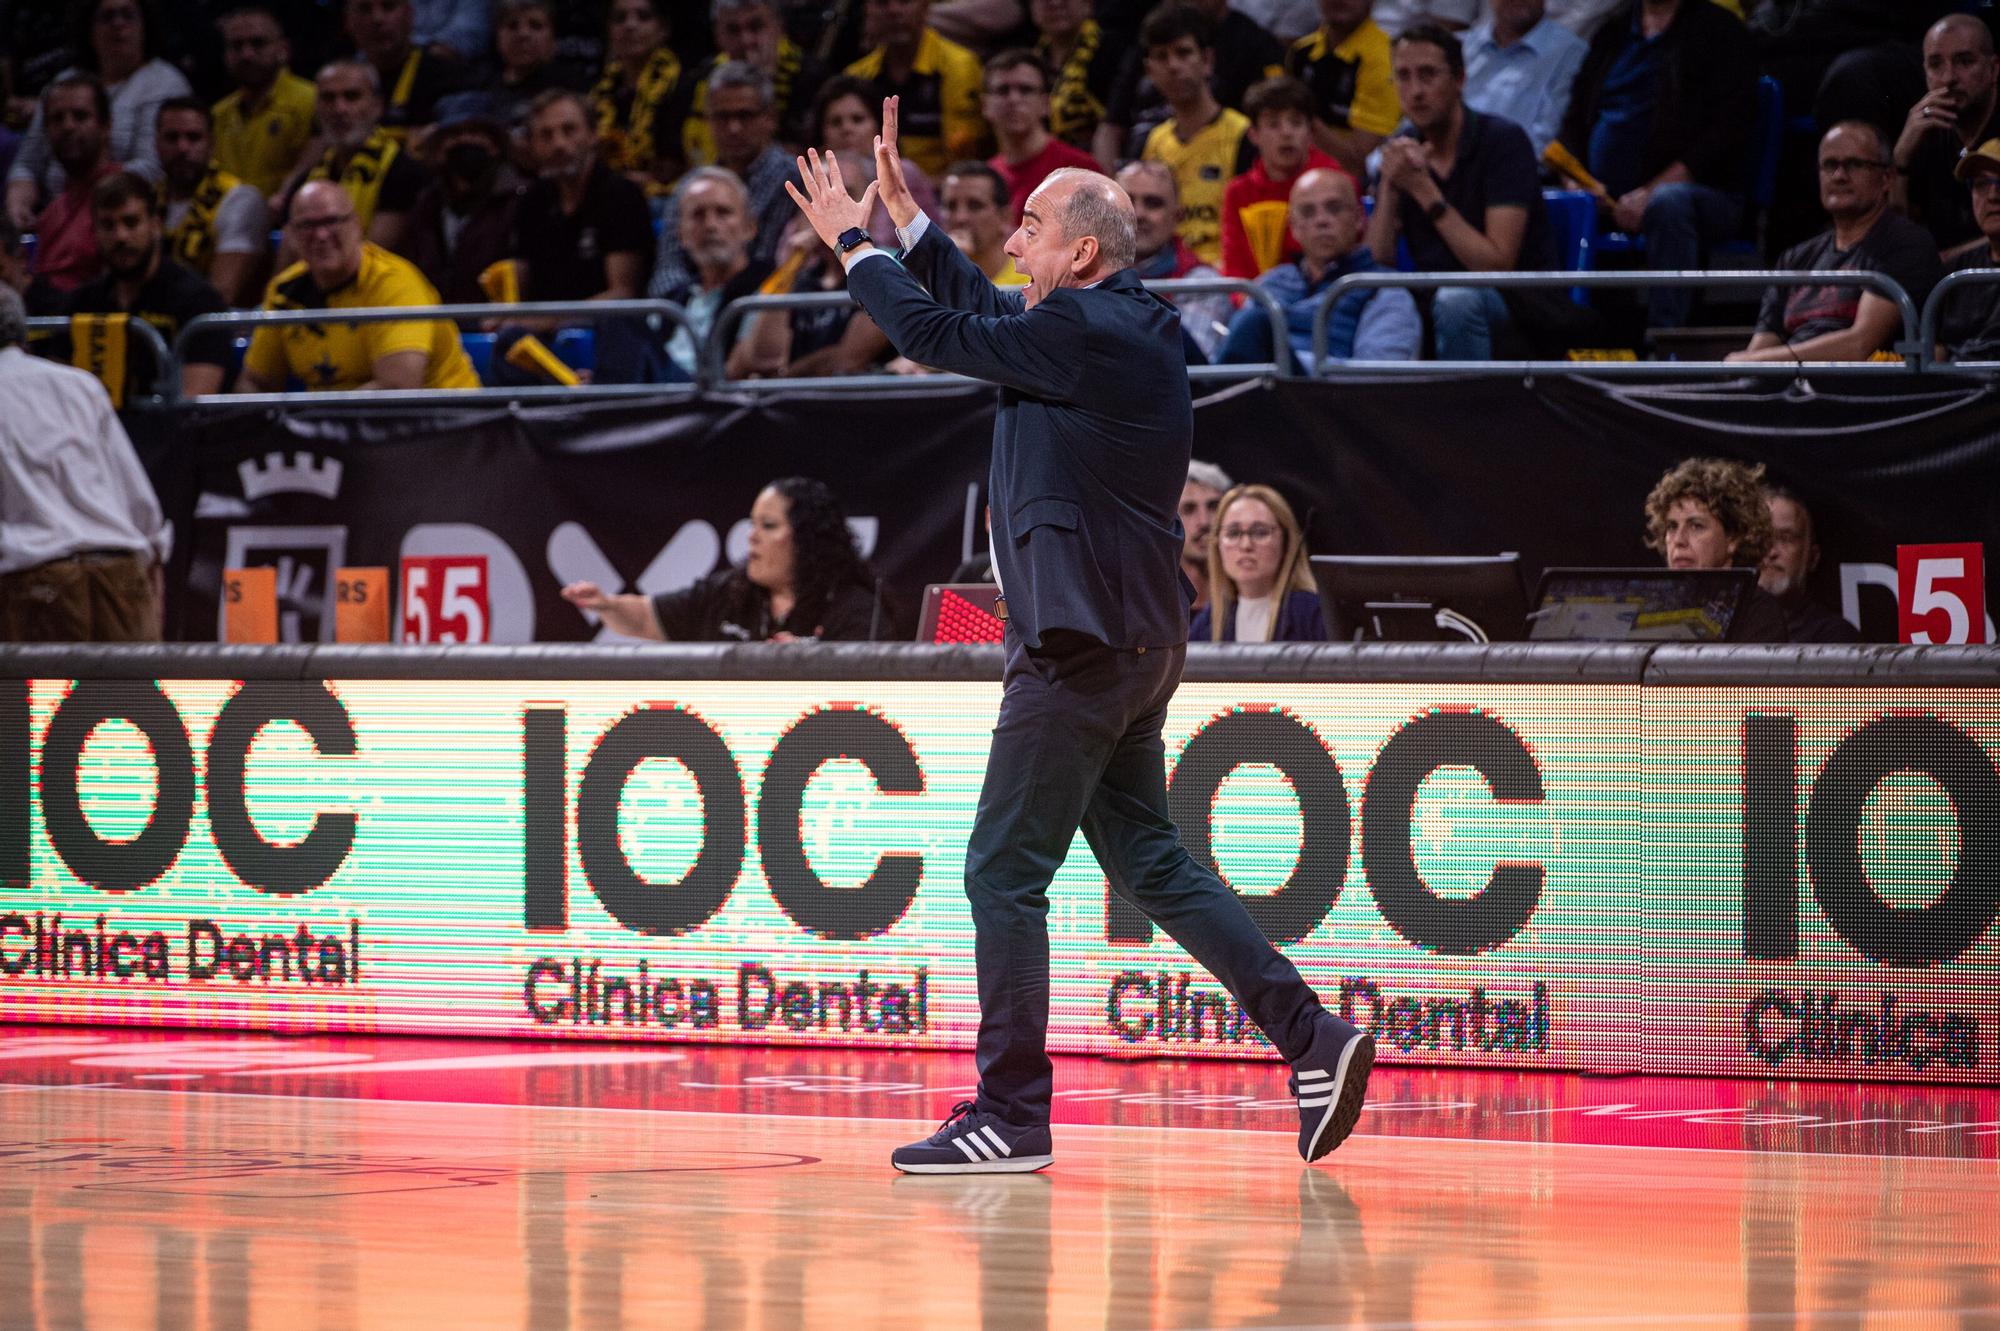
(1638, 604)
(960, 612)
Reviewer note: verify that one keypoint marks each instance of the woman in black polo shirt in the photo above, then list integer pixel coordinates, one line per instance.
(803, 579)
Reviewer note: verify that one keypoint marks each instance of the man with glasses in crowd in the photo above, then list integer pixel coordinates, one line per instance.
(1816, 323)
(341, 270)
(1970, 327)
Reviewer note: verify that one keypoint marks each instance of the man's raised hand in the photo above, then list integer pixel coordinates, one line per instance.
(896, 196)
(825, 201)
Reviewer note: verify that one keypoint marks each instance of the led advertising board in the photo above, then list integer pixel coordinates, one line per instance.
(1750, 881)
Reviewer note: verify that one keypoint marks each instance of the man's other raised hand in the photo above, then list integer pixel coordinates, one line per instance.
(896, 196)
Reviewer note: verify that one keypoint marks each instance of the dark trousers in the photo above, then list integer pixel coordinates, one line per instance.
(1078, 744)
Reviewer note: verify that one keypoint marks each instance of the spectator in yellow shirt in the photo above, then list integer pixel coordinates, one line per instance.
(1205, 143)
(341, 271)
(261, 130)
(1345, 62)
(938, 81)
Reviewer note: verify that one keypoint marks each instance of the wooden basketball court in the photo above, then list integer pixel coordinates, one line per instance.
(183, 1180)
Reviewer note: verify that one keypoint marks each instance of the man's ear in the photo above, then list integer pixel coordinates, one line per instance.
(1085, 254)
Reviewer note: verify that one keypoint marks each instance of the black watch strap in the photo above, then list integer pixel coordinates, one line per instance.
(1437, 211)
(852, 239)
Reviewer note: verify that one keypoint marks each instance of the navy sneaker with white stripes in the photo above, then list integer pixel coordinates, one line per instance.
(1330, 1082)
(975, 1142)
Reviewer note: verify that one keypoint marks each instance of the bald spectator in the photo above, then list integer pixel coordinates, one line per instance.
(742, 119)
(365, 159)
(1847, 323)
(340, 269)
(411, 77)
(1371, 323)
(1952, 118)
(1162, 254)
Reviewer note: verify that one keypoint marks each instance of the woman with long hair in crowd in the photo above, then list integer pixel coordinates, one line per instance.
(804, 579)
(1260, 581)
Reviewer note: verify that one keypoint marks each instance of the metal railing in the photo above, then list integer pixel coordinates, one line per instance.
(166, 385)
(720, 338)
(1931, 326)
(1919, 337)
(1915, 354)
(575, 311)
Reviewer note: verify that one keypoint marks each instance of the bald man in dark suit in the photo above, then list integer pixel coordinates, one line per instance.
(1090, 451)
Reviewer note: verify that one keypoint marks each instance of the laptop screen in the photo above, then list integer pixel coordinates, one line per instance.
(1637, 604)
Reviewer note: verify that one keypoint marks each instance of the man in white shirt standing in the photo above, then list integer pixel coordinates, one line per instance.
(81, 533)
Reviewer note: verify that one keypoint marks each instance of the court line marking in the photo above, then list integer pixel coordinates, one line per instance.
(920, 1122)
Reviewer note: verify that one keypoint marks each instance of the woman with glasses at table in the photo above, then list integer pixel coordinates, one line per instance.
(1261, 586)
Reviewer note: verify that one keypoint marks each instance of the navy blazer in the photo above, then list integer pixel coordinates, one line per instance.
(1090, 446)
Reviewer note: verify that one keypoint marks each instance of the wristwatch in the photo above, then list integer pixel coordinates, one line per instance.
(1435, 212)
(852, 239)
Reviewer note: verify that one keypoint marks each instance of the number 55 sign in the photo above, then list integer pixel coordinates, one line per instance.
(445, 598)
(1941, 592)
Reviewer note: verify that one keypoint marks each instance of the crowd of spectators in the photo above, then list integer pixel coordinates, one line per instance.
(505, 150)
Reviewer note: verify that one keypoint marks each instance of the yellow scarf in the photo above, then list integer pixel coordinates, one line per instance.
(629, 146)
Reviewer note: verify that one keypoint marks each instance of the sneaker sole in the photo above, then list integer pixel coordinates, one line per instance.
(1350, 1080)
(1019, 1164)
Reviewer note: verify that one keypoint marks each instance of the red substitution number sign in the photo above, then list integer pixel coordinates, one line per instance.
(1941, 592)
(445, 598)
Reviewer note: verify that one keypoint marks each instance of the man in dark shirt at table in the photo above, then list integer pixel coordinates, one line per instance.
(142, 283)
